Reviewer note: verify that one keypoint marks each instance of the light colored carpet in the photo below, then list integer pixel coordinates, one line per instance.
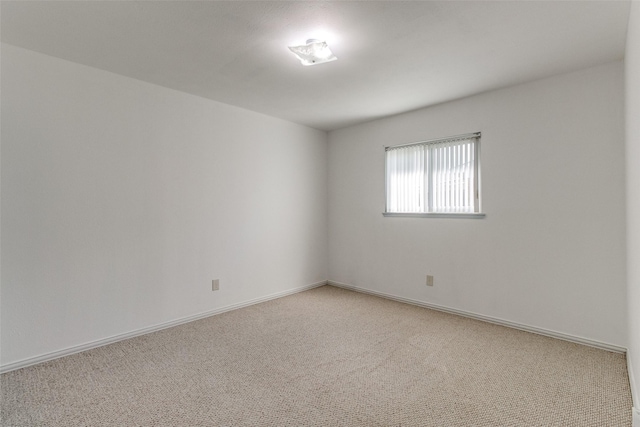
(326, 357)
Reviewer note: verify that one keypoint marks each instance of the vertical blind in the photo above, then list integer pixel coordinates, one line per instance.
(438, 176)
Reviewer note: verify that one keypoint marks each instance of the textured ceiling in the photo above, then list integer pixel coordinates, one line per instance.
(393, 56)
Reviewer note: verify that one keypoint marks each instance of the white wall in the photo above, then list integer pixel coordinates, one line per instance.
(632, 74)
(122, 200)
(550, 253)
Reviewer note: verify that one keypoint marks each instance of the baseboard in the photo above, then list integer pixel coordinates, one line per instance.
(635, 393)
(120, 337)
(495, 320)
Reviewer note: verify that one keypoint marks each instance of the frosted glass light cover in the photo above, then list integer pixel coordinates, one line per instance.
(314, 52)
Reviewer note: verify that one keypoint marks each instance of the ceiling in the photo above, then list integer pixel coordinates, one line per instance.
(393, 56)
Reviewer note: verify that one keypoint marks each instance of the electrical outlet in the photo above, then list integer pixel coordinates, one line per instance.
(429, 280)
(215, 285)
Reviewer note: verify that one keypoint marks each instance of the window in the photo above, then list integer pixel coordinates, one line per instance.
(434, 178)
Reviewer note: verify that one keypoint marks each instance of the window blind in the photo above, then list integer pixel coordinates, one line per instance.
(439, 176)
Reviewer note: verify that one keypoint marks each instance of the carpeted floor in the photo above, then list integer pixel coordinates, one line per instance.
(326, 357)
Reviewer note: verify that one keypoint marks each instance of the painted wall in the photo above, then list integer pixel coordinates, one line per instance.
(122, 200)
(632, 74)
(551, 251)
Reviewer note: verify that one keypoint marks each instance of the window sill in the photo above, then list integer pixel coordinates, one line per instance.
(475, 215)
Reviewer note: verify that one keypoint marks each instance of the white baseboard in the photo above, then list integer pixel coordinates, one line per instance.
(120, 337)
(498, 321)
(635, 393)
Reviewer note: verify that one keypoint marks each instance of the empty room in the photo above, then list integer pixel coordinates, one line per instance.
(320, 213)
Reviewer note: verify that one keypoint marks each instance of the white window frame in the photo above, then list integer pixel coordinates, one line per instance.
(477, 213)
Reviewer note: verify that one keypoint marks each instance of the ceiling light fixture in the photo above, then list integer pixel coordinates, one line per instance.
(314, 52)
